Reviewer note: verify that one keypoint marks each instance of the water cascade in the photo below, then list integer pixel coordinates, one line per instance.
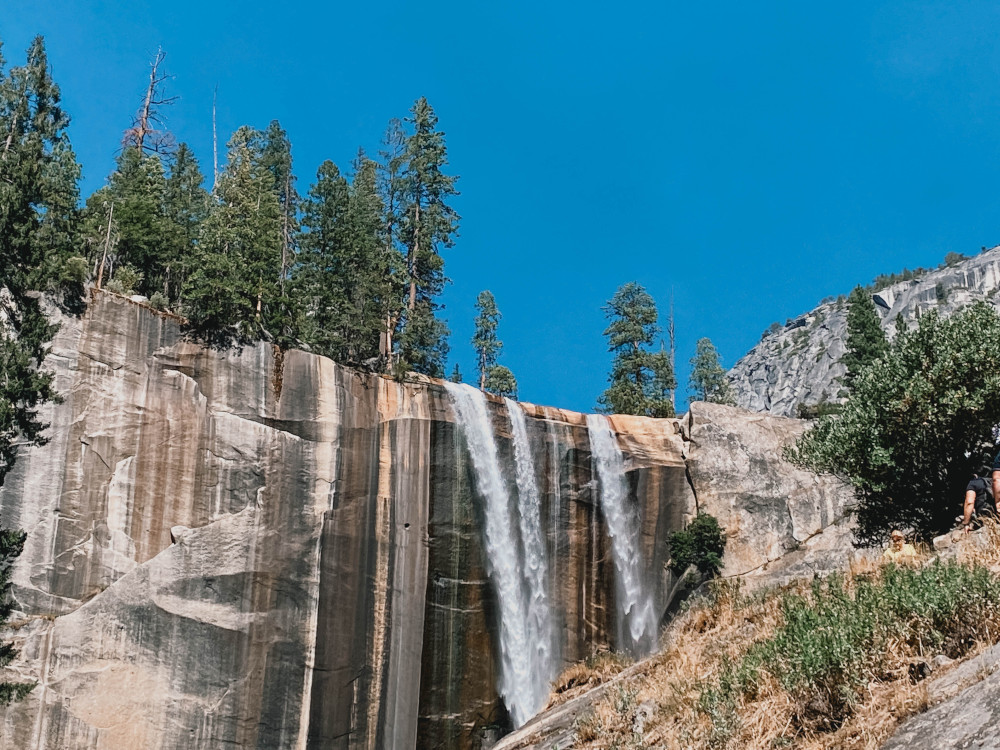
(525, 665)
(637, 622)
(535, 567)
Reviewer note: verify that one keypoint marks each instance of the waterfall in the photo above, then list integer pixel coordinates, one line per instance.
(513, 543)
(535, 567)
(637, 622)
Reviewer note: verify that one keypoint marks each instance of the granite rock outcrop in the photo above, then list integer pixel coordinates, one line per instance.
(798, 364)
(261, 549)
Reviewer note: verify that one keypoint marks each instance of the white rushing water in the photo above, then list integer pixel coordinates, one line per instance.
(508, 536)
(637, 622)
(535, 561)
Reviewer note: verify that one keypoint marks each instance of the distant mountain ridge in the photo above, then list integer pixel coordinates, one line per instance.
(799, 363)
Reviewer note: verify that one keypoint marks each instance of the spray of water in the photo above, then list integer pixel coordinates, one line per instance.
(637, 623)
(508, 535)
(535, 561)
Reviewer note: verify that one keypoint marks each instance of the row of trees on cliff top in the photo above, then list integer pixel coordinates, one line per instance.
(353, 269)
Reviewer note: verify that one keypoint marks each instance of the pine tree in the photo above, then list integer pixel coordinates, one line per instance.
(233, 292)
(38, 176)
(708, 381)
(185, 205)
(641, 382)
(344, 273)
(324, 240)
(428, 224)
(501, 381)
(137, 188)
(392, 160)
(456, 375)
(492, 377)
(423, 342)
(485, 340)
(866, 341)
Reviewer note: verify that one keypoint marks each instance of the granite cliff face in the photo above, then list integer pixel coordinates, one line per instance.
(800, 362)
(256, 549)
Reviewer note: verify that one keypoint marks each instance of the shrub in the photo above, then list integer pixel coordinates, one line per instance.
(914, 428)
(158, 301)
(701, 544)
(129, 278)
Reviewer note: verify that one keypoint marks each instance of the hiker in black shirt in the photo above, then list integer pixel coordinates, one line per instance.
(979, 501)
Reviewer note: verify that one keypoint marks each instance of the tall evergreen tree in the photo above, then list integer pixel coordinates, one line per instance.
(391, 163)
(276, 159)
(485, 340)
(38, 176)
(708, 380)
(233, 293)
(493, 377)
(344, 274)
(641, 382)
(428, 224)
(137, 188)
(866, 340)
(186, 206)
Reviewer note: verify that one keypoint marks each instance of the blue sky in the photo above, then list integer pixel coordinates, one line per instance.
(748, 158)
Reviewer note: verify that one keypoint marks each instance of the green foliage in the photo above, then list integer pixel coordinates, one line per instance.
(838, 638)
(158, 301)
(701, 544)
(501, 381)
(130, 279)
(914, 429)
(346, 279)
(456, 375)
(492, 377)
(708, 381)
(236, 292)
(815, 411)
(38, 177)
(641, 382)
(11, 545)
(423, 342)
(426, 224)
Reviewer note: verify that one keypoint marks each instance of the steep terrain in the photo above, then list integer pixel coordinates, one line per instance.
(257, 549)
(800, 362)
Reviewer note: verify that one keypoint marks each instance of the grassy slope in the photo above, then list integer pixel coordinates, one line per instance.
(813, 665)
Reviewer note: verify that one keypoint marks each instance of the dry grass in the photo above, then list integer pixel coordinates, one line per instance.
(580, 677)
(665, 706)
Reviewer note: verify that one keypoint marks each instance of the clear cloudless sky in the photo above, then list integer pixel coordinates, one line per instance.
(749, 159)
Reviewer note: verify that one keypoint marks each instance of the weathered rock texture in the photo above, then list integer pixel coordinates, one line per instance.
(251, 549)
(800, 362)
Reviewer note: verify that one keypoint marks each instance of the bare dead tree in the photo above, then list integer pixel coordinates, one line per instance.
(109, 242)
(148, 133)
(673, 351)
(215, 143)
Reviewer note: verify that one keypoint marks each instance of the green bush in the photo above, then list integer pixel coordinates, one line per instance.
(130, 279)
(158, 301)
(916, 425)
(701, 544)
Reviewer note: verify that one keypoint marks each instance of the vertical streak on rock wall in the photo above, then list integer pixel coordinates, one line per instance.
(338, 715)
(460, 656)
(410, 501)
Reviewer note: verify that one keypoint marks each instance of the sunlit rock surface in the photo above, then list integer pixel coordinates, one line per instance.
(251, 549)
(799, 363)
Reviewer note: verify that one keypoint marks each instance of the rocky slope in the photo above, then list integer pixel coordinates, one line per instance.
(800, 362)
(256, 549)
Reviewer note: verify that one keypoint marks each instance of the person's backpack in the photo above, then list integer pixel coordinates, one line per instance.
(986, 504)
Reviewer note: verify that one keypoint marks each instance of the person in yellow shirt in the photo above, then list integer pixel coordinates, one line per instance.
(899, 549)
